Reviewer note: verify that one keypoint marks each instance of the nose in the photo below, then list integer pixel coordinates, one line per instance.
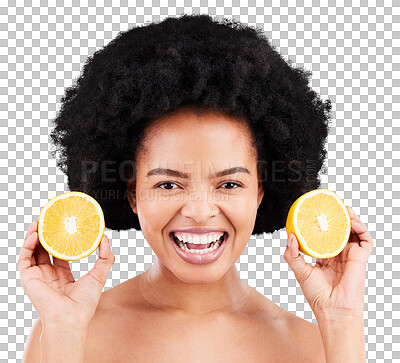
(200, 206)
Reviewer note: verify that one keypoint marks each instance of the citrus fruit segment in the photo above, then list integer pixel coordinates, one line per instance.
(321, 223)
(71, 226)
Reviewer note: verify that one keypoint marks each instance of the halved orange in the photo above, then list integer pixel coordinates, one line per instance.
(71, 226)
(321, 223)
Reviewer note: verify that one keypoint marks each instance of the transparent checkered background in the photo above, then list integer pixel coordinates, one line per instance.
(349, 46)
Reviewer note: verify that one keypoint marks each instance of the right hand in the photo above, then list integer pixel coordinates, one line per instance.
(52, 289)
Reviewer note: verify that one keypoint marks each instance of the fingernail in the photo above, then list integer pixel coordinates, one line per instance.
(107, 243)
(289, 241)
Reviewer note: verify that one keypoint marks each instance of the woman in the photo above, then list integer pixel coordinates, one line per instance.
(199, 134)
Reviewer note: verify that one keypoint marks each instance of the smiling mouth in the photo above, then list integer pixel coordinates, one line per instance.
(199, 248)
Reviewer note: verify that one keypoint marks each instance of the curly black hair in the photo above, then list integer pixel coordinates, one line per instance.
(205, 63)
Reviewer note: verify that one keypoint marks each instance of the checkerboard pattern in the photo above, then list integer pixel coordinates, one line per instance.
(349, 46)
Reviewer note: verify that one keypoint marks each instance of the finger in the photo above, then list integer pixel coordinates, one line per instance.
(61, 263)
(25, 260)
(363, 234)
(353, 238)
(301, 268)
(361, 230)
(32, 228)
(41, 255)
(103, 263)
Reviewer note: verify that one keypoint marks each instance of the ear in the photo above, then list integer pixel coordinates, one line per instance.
(131, 194)
(260, 192)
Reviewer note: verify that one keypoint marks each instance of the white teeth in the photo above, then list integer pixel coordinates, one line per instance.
(197, 238)
(202, 251)
(204, 239)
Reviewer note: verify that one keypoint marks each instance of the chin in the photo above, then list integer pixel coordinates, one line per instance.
(200, 275)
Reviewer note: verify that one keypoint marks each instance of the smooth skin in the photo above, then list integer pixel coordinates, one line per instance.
(176, 311)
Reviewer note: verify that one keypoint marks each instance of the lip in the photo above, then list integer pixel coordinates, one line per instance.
(198, 259)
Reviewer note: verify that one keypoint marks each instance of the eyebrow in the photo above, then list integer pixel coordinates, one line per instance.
(179, 174)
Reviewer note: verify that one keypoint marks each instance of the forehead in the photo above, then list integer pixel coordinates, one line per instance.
(189, 136)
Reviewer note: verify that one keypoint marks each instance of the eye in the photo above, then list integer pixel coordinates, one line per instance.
(232, 183)
(165, 183)
(168, 183)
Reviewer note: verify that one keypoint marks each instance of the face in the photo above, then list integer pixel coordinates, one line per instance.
(192, 193)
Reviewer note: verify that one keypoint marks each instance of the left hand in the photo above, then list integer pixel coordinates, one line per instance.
(334, 287)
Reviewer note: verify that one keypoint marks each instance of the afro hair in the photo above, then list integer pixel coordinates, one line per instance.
(194, 60)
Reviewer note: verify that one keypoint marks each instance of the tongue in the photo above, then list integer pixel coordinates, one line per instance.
(193, 246)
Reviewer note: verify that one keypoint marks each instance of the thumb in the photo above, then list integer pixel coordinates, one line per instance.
(103, 264)
(301, 269)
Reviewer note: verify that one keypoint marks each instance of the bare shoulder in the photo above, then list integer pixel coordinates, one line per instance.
(109, 328)
(294, 336)
(308, 337)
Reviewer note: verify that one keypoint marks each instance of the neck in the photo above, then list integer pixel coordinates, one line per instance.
(164, 291)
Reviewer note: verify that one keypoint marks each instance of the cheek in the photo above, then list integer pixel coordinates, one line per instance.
(153, 217)
(242, 213)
